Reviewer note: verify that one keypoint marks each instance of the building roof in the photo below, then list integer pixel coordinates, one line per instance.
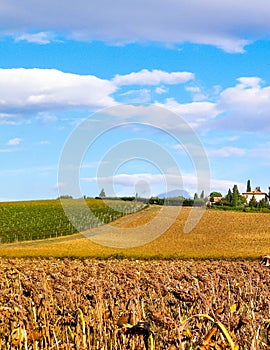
(255, 193)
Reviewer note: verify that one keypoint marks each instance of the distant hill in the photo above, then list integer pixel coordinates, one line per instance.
(174, 193)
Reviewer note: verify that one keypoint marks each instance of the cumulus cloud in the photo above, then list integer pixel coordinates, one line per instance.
(188, 180)
(195, 113)
(154, 77)
(243, 107)
(51, 88)
(249, 82)
(154, 183)
(226, 24)
(197, 93)
(246, 106)
(132, 179)
(223, 185)
(145, 184)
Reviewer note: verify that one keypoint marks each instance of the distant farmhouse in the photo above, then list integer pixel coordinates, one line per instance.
(258, 195)
(252, 198)
(213, 200)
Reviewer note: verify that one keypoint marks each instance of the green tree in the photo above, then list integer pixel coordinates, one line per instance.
(263, 204)
(253, 203)
(229, 196)
(236, 200)
(215, 194)
(196, 196)
(202, 195)
(102, 193)
(248, 186)
(199, 202)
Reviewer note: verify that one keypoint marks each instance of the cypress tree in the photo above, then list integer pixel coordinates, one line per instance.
(248, 186)
(235, 196)
(102, 193)
(229, 196)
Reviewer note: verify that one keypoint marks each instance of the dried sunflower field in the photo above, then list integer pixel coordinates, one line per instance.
(130, 304)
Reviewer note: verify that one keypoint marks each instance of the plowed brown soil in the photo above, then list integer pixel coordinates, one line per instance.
(90, 304)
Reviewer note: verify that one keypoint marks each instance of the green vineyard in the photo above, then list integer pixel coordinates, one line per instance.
(31, 220)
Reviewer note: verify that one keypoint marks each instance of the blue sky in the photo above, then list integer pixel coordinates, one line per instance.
(62, 63)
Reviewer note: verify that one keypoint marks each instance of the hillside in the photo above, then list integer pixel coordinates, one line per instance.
(218, 235)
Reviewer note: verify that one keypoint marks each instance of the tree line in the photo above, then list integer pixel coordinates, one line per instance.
(232, 200)
(198, 200)
(235, 200)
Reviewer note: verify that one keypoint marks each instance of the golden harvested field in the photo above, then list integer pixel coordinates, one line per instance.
(128, 304)
(219, 234)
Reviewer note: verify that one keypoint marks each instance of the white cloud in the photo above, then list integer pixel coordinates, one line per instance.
(46, 119)
(9, 118)
(246, 106)
(193, 89)
(132, 179)
(249, 82)
(223, 186)
(226, 152)
(50, 88)
(136, 96)
(42, 90)
(154, 77)
(220, 139)
(161, 90)
(14, 142)
(195, 113)
(41, 38)
(226, 24)
(151, 183)
(197, 93)
(188, 180)
(169, 116)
